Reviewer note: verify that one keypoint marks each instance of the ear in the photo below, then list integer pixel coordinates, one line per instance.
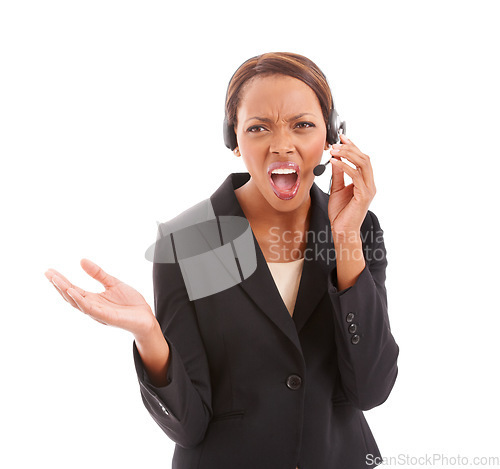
(327, 145)
(236, 151)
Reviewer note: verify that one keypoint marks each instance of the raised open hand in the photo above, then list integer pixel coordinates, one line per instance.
(118, 305)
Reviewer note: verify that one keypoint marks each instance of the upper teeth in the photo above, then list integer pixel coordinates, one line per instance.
(283, 171)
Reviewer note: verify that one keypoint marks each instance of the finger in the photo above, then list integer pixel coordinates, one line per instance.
(57, 282)
(361, 161)
(95, 319)
(349, 149)
(354, 174)
(338, 182)
(356, 160)
(64, 281)
(344, 139)
(85, 306)
(62, 296)
(94, 311)
(363, 164)
(79, 301)
(96, 272)
(346, 144)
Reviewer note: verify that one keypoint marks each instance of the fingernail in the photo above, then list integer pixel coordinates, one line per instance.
(345, 138)
(335, 150)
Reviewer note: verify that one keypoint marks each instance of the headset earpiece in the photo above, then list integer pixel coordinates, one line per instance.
(229, 135)
(333, 127)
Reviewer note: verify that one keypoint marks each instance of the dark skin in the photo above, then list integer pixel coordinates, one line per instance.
(284, 138)
(266, 238)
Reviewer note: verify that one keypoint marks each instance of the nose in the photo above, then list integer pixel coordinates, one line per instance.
(281, 142)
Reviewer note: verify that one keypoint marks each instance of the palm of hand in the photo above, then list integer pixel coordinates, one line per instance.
(119, 305)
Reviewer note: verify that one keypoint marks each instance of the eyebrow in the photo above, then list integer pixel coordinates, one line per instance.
(265, 119)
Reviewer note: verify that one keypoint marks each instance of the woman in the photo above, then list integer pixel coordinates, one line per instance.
(275, 371)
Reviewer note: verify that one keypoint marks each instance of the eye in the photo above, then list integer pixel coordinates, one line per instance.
(251, 129)
(309, 124)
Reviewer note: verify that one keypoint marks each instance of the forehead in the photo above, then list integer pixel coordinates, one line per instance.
(277, 94)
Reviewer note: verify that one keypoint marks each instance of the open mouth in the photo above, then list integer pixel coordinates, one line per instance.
(284, 178)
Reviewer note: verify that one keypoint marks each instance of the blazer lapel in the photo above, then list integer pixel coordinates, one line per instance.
(319, 259)
(318, 263)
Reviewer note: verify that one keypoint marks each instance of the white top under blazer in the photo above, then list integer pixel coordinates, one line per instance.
(287, 279)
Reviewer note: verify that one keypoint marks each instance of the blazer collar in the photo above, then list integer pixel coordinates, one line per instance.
(318, 263)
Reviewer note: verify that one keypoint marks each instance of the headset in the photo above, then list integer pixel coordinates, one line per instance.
(333, 128)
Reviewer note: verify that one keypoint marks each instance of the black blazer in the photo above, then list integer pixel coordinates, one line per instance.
(251, 387)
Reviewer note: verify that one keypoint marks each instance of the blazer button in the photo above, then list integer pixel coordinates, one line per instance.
(355, 339)
(294, 382)
(349, 317)
(352, 328)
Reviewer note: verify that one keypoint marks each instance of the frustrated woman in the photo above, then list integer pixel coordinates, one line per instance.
(275, 370)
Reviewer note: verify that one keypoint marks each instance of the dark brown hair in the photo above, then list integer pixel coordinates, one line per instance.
(272, 63)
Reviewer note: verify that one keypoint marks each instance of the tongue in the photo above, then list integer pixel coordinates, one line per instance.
(284, 181)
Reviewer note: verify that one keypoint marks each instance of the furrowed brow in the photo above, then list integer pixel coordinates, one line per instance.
(265, 119)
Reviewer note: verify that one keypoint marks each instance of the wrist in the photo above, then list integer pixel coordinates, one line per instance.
(148, 330)
(346, 237)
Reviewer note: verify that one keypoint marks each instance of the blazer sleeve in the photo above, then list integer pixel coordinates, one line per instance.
(366, 349)
(182, 408)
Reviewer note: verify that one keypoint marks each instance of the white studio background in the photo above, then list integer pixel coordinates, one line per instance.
(111, 120)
